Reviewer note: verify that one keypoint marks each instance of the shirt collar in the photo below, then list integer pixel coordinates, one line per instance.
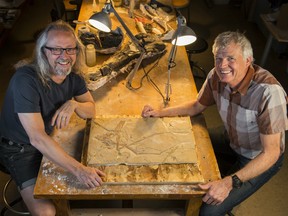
(245, 83)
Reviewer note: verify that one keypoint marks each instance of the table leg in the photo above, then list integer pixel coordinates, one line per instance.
(266, 50)
(62, 207)
(193, 206)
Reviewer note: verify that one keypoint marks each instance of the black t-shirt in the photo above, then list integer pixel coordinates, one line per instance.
(26, 94)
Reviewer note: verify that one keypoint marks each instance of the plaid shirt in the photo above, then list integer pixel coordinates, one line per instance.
(257, 106)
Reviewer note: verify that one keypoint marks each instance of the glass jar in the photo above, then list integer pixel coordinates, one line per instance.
(90, 55)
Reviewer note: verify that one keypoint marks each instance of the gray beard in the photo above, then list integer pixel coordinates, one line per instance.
(62, 72)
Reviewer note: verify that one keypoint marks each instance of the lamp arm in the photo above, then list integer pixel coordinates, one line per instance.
(131, 36)
(137, 44)
(171, 58)
(181, 24)
(168, 88)
(172, 54)
(135, 69)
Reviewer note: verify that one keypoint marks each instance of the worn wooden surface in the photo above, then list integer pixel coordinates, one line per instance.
(55, 183)
(115, 99)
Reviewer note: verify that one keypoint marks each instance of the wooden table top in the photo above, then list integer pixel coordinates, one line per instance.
(55, 183)
(115, 99)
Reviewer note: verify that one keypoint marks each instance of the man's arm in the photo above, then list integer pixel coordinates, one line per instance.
(218, 191)
(187, 109)
(34, 126)
(83, 106)
(268, 157)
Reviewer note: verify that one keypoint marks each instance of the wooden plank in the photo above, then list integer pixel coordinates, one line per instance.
(193, 206)
(62, 207)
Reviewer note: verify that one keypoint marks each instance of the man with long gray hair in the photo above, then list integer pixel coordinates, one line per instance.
(43, 94)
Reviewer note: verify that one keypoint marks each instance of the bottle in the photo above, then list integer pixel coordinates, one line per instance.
(90, 55)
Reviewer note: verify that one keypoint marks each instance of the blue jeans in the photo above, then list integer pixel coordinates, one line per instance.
(237, 196)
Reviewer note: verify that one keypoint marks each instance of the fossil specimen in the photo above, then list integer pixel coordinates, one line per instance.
(124, 60)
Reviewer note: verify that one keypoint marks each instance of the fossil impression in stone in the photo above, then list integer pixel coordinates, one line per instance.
(144, 150)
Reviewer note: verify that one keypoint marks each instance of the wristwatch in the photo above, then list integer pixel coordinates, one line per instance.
(236, 182)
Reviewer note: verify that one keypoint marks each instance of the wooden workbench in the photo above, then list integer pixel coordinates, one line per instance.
(115, 99)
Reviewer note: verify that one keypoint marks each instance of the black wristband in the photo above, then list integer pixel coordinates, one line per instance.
(236, 182)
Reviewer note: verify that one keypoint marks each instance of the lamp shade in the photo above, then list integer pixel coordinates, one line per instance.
(101, 21)
(183, 36)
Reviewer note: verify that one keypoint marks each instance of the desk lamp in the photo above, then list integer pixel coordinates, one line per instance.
(181, 37)
(102, 22)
